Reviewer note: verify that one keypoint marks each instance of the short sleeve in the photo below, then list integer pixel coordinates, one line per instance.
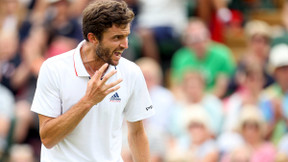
(139, 105)
(47, 95)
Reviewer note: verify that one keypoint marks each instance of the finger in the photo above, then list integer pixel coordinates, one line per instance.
(107, 76)
(110, 85)
(112, 89)
(102, 69)
(97, 75)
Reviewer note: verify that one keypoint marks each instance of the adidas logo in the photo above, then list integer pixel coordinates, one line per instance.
(115, 98)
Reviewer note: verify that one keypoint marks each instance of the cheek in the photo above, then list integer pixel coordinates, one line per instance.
(282, 75)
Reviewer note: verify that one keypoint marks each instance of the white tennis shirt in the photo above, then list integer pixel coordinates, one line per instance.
(62, 82)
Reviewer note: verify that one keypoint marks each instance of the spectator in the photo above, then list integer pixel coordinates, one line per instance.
(193, 87)
(12, 14)
(251, 83)
(60, 23)
(17, 77)
(258, 35)
(253, 129)
(277, 92)
(157, 126)
(216, 15)
(200, 146)
(161, 97)
(214, 59)
(158, 28)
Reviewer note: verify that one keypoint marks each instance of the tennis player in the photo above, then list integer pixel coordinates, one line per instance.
(83, 96)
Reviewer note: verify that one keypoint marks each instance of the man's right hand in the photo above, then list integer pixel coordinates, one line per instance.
(97, 90)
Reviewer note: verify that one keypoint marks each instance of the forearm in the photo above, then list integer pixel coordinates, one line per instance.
(218, 4)
(54, 130)
(20, 76)
(221, 86)
(139, 146)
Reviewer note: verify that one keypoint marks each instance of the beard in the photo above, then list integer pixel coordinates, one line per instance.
(105, 54)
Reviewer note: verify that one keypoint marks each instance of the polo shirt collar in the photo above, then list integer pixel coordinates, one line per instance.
(78, 63)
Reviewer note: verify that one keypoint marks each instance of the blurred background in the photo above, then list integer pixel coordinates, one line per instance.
(216, 70)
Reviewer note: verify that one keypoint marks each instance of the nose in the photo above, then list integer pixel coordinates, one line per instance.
(124, 43)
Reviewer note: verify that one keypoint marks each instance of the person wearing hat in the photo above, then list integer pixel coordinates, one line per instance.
(279, 65)
(258, 38)
(200, 145)
(253, 128)
(277, 93)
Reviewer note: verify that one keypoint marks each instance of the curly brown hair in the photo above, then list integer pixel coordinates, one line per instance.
(103, 14)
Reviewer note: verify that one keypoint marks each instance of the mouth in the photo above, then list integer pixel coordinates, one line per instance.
(118, 54)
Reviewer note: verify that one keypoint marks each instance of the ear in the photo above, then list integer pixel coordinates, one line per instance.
(92, 38)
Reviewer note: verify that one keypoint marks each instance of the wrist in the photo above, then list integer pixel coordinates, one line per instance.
(87, 103)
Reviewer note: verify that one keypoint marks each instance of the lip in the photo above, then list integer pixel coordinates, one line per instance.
(116, 57)
(118, 54)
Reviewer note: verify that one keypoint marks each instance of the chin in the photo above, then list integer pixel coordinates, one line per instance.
(114, 63)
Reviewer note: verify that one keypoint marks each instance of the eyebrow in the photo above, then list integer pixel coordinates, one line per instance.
(121, 35)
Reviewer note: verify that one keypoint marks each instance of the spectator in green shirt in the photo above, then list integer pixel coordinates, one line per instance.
(201, 53)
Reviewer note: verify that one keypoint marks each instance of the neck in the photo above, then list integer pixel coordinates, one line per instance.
(255, 144)
(90, 60)
(195, 99)
(284, 89)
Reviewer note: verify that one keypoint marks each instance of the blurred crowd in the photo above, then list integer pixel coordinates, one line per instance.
(214, 101)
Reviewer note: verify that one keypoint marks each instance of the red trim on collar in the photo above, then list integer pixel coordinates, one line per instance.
(74, 63)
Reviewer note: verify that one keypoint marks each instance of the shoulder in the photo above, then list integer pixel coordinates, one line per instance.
(220, 50)
(184, 51)
(268, 147)
(219, 46)
(272, 91)
(128, 66)
(59, 61)
(183, 56)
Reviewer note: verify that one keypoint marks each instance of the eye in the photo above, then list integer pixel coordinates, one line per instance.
(117, 37)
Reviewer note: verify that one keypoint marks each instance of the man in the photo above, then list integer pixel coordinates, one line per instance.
(83, 95)
(277, 94)
(213, 59)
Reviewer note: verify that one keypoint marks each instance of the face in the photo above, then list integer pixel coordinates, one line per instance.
(113, 44)
(251, 131)
(255, 81)
(193, 85)
(281, 75)
(198, 132)
(260, 45)
(197, 38)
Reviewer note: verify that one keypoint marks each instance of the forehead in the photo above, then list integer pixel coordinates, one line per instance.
(118, 30)
(282, 68)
